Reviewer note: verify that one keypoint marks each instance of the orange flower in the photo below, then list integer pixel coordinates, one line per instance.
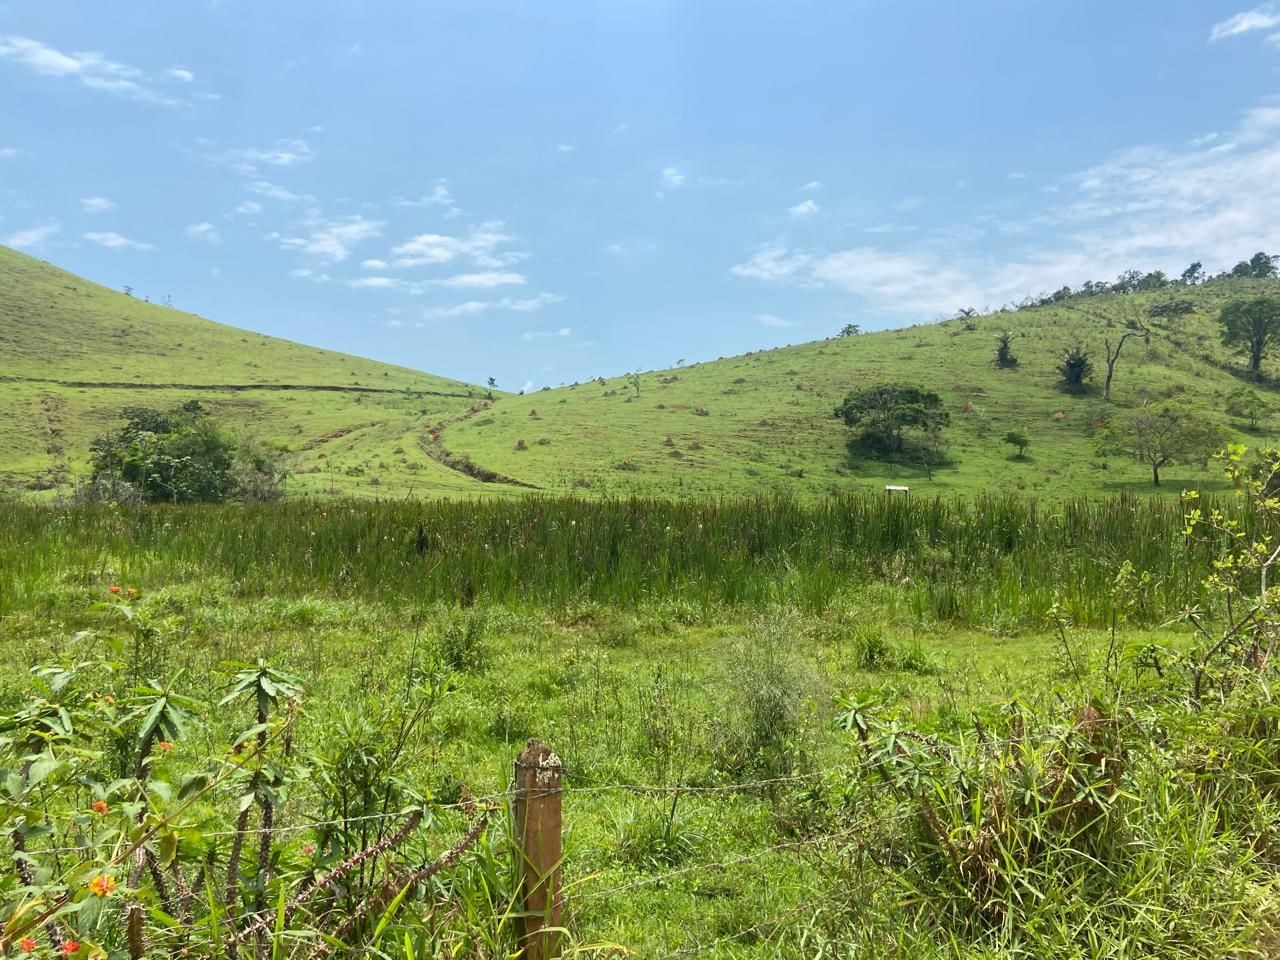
(131, 593)
(100, 806)
(69, 947)
(115, 589)
(165, 745)
(308, 848)
(27, 945)
(102, 885)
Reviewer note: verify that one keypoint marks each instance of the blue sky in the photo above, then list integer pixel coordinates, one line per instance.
(547, 191)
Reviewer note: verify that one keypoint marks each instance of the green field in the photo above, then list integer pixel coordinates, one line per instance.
(780, 723)
(76, 353)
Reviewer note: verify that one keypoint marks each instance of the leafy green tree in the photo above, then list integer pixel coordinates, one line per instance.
(1245, 404)
(1171, 309)
(177, 456)
(1016, 438)
(1253, 325)
(884, 412)
(1075, 368)
(1004, 351)
(850, 330)
(1262, 266)
(1193, 275)
(1159, 437)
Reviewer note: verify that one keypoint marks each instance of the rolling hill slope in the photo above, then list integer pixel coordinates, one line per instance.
(73, 353)
(764, 422)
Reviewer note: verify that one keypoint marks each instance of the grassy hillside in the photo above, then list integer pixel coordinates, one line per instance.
(764, 422)
(74, 353)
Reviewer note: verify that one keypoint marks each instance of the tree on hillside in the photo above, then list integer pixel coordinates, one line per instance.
(1075, 368)
(850, 330)
(1245, 404)
(1016, 438)
(1113, 357)
(1262, 266)
(177, 456)
(1194, 274)
(1253, 325)
(1004, 351)
(1161, 437)
(883, 413)
(1171, 309)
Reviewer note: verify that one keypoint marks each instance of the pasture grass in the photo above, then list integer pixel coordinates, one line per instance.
(834, 723)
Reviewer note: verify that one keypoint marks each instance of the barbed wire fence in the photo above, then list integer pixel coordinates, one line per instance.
(578, 892)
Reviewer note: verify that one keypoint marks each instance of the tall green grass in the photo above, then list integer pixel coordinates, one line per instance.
(988, 561)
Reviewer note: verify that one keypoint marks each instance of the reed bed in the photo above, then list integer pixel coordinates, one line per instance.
(993, 560)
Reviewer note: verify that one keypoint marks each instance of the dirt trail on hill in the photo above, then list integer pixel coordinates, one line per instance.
(434, 448)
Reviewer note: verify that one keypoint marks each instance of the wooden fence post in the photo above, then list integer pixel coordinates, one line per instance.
(538, 826)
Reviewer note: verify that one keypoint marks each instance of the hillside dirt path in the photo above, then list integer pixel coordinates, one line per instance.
(433, 446)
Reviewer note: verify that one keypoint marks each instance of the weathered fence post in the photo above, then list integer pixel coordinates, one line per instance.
(538, 833)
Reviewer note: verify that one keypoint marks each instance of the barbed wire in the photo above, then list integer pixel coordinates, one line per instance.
(863, 765)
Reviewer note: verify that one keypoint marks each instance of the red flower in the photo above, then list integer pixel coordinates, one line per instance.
(69, 947)
(308, 848)
(27, 945)
(164, 746)
(100, 806)
(115, 589)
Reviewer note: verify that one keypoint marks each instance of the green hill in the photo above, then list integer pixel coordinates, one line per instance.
(73, 353)
(764, 421)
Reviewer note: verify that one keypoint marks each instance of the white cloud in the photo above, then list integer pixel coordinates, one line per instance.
(490, 278)
(93, 70)
(1146, 208)
(8, 153)
(1015, 175)
(287, 152)
(115, 241)
(33, 236)
(376, 283)
(528, 387)
(472, 307)
(272, 191)
(204, 231)
(96, 205)
(806, 208)
(373, 264)
(1261, 18)
(888, 228)
(546, 334)
(565, 148)
(772, 262)
(672, 178)
(770, 320)
(481, 245)
(332, 240)
(180, 74)
(249, 207)
(812, 185)
(440, 196)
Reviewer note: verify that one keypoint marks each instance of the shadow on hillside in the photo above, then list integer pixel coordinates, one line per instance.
(911, 461)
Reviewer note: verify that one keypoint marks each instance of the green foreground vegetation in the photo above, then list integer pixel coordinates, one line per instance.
(877, 727)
